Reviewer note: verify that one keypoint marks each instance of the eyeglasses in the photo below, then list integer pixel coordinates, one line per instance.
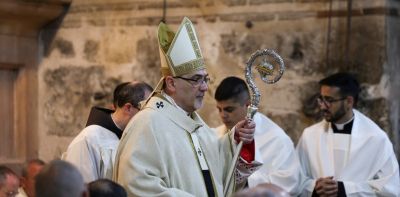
(197, 80)
(327, 101)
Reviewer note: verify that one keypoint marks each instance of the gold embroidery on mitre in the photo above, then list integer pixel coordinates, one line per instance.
(188, 67)
(165, 49)
(193, 40)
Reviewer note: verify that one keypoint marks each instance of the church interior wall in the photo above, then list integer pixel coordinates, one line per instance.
(101, 43)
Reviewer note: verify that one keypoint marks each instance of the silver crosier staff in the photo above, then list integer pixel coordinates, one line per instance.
(270, 75)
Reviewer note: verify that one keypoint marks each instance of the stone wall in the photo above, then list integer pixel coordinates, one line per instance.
(392, 66)
(20, 24)
(103, 42)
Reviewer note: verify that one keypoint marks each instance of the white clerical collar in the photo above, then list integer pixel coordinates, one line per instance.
(341, 126)
(171, 100)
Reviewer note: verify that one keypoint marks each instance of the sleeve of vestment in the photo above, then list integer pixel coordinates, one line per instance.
(385, 181)
(281, 166)
(85, 157)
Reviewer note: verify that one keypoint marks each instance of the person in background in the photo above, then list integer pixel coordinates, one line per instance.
(29, 172)
(62, 179)
(9, 182)
(106, 188)
(346, 154)
(93, 149)
(281, 165)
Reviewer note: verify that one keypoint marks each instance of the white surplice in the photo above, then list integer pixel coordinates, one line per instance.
(368, 168)
(281, 165)
(93, 152)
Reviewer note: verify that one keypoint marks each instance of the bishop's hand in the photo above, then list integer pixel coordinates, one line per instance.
(244, 131)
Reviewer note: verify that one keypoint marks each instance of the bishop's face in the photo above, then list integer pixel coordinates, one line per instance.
(335, 107)
(191, 89)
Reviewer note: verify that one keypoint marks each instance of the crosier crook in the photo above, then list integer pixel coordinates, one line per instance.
(266, 71)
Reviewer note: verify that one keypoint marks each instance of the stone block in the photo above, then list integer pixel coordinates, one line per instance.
(237, 45)
(295, 15)
(65, 47)
(148, 58)
(247, 16)
(260, 2)
(301, 49)
(117, 47)
(310, 107)
(234, 2)
(91, 49)
(292, 123)
(151, 21)
(97, 7)
(97, 22)
(303, 52)
(367, 48)
(70, 93)
(71, 24)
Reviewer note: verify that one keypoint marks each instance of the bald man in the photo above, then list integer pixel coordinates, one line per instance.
(60, 178)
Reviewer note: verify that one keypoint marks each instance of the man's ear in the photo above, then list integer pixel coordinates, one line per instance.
(350, 101)
(170, 84)
(127, 107)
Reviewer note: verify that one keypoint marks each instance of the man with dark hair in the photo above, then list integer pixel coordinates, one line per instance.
(281, 166)
(346, 154)
(8, 182)
(93, 150)
(106, 188)
(60, 178)
(29, 172)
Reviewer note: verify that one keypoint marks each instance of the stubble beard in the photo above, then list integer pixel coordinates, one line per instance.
(198, 103)
(336, 116)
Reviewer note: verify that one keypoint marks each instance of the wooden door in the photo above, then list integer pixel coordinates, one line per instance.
(8, 134)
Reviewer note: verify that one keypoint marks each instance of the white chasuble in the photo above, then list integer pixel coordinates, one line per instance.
(157, 155)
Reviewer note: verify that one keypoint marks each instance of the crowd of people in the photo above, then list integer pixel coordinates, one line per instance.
(154, 143)
(57, 178)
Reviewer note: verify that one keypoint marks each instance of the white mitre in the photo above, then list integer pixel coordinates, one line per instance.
(179, 52)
